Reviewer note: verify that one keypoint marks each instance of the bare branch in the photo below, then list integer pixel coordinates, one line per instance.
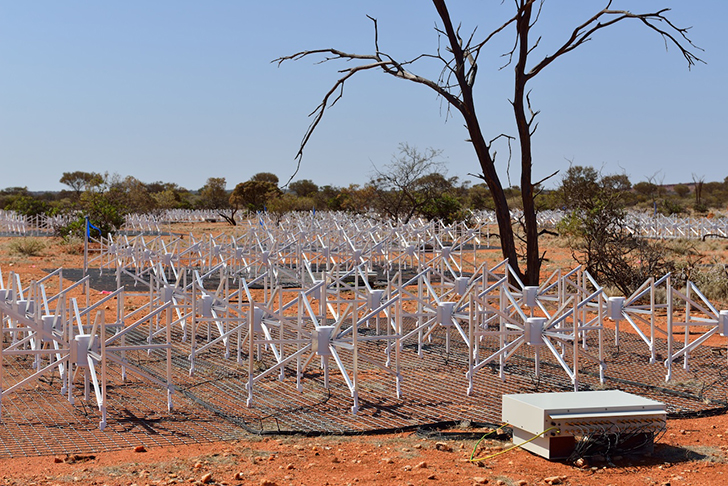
(376, 33)
(378, 61)
(545, 179)
(655, 21)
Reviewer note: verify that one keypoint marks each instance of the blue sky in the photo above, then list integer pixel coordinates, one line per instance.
(181, 90)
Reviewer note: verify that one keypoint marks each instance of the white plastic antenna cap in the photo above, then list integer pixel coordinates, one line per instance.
(375, 298)
(47, 326)
(614, 308)
(534, 331)
(530, 293)
(444, 313)
(461, 285)
(25, 306)
(167, 293)
(723, 323)
(79, 349)
(206, 310)
(321, 338)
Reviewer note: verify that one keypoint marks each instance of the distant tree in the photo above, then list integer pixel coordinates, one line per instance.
(79, 181)
(169, 195)
(698, 182)
(398, 185)
(328, 197)
(27, 205)
(303, 188)
(287, 202)
(213, 194)
(355, 198)
(8, 194)
(714, 194)
(681, 190)
(252, 195)
(265, 177)
(103, 212)
(130, 195)
(439, 196)
(478, 197)
(647, 190)
(578, 186)
(12, 191)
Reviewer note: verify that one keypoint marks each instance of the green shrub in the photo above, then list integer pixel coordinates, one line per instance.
(102, 213)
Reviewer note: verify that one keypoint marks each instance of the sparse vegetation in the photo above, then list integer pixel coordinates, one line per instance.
(27, 247)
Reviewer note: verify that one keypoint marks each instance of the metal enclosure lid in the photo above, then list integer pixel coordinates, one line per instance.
(585, 402)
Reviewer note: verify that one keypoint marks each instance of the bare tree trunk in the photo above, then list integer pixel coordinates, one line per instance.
(523, 123)
(482, 150)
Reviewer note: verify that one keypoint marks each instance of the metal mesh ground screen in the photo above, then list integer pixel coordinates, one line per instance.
(211, 405)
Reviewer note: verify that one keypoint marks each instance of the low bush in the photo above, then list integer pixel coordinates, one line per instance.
(27, 247)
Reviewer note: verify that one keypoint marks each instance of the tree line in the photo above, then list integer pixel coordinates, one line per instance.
(413, 184)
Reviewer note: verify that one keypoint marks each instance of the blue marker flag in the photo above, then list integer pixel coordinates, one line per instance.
(89, 226)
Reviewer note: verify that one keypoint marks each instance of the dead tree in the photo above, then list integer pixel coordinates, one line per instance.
(459, 62)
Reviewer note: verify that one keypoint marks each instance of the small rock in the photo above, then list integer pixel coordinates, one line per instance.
(197, 465)
(554, 480)
(290, 466)
(500, 482)
(421, 465)
(419, 446)
(268, 482)
(335, 460)
(479, 480)
(442, 446)
(431, 476)
(57, 460)
(388, 460)
(206, 479)
(581, 463)
(140, 448)
(407, 467)
(522, 482)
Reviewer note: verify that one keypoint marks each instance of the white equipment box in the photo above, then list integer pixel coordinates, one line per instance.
(571, 416)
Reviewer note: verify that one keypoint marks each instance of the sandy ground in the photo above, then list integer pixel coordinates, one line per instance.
(691, 452)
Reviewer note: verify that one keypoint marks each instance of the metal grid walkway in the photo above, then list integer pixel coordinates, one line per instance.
(210, 406)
